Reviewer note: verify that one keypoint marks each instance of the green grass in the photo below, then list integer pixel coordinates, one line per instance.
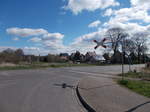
(139, 75)
(133, 74)
(141, 87)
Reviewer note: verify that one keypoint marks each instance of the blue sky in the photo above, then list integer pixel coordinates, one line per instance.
(54, 26)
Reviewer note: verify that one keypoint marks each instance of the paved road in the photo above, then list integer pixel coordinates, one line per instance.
(104, 95)
(40, 90)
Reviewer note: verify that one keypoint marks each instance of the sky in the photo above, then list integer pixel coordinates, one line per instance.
(58, 26)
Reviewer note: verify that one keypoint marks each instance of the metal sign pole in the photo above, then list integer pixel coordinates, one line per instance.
(123, 59)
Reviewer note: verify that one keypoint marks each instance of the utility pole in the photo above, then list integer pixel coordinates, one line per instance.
(123, 52)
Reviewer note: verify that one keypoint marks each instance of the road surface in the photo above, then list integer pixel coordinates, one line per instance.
(40, 90)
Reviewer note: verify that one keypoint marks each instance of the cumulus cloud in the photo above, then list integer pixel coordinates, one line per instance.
(35, 39)
(134, 13)
(85, 42)
(77, 6)
(82, 43)
(51, 41)
(126, 18)
(25, 32)
(140, 3)
(46, 40)
(53, 36)
(94, 24)
(15, 38)
(108, 12)
(33, 50)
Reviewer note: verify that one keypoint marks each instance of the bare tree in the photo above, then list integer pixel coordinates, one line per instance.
(140, 41)
(19, 52)
(116, 36)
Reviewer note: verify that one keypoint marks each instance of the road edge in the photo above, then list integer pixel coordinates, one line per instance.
(83, 102)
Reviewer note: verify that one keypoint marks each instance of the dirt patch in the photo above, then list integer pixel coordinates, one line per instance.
(7, 64)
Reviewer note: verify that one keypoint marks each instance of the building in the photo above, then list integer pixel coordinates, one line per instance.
(92, 57)
(64, 56)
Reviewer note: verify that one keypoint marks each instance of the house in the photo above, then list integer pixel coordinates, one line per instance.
(100, 58)
(77, 57)
(29, 58)
(64, 56)
(89, 56)
(92, 57)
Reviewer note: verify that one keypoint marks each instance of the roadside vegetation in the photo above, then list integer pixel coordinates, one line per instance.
(143, 74)
(134, 51)
(138, 82)
(138, 86)
(43, 65)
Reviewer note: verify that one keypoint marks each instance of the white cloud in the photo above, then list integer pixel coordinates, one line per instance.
(15, 38)
(33, 50)
(88, 37)
(94, 24)
(53, 36)
(77, 6)
(25, 32)
(128, 26)
(108, 12)
(126, 18)
(133, 13)
(82, 43)
(35, 39)
(52, 42)
(140, 3)
(85, 42)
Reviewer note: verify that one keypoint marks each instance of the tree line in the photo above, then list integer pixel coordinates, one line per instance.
(130, 48)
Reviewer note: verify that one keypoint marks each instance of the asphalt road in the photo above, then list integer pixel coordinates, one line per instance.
(41, 91)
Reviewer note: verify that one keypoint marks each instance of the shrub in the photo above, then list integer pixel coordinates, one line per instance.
(123, 82)
(148, 65)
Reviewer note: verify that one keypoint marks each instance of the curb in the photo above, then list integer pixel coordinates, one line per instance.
(86, 106)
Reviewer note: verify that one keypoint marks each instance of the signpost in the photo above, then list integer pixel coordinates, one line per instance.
(123, 53)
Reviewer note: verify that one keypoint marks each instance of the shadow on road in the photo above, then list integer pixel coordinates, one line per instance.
(138, 106)
(64, 85)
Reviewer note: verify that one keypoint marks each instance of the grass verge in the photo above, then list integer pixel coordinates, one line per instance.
(139, 75)
(141, 87)
(43, 65)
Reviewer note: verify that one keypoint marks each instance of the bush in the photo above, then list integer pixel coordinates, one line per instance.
(123, 82)
(148, 65)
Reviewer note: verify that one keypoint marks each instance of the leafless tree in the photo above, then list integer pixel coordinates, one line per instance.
(19, 52)
(129, 46)
(116, 36)
(140, 41)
